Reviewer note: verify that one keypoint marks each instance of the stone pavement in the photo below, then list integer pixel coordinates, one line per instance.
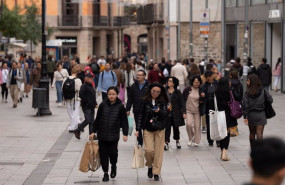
(39, 150)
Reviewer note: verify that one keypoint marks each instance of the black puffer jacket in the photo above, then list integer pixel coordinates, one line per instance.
(265, 74)
(147, 114)
(87, 95)
(135, 96)
(237, 89)
(110, 118)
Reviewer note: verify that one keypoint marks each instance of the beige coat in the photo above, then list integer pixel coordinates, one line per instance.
(179, 71)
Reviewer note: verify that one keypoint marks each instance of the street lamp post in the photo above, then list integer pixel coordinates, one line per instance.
(245, 47)
(191, 29)
(206, 40)
(44, 81)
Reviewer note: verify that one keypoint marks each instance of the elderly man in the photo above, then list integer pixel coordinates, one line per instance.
(179, 71)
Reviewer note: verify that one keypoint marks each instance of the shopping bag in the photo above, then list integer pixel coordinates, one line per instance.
(138, 158)
(94, 158)
(233, 131)
(22, 87)
(235, 107)
(131, 125)
(84, 163)
(218, 125)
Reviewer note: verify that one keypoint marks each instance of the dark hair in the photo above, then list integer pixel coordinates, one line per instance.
(237, 60)
(114, 66)
(129, 67)
(223, 88)
(162, 98)
(278, 62)
(192, 60)
(267, 156)
(254, 85)
(194, 69)
(264, 60)
(113, 88)
(209, 67)
(194, 78)
(212, 61)
(234, 74)
(139, 63)
(58, 64)
(175, 81)
(208, 73)
(249, 63)
(186, 61)
(163, 60)
(144, 73)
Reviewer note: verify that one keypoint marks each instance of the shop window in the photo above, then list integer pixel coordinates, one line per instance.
(231, 3)
(253, 2)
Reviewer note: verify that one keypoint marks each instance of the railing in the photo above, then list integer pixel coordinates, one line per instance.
(70, 20)
(100, 21)
(150, 13)
(119, 21)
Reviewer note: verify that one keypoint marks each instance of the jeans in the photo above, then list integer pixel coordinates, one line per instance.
(58, 85)
(96, 79)
(89, 120)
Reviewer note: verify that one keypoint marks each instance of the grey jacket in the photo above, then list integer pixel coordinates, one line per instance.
(255, 103)
(20, 79)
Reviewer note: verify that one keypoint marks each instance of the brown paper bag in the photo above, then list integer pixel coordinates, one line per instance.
(84, 163)
(138, 158)
(94, 158)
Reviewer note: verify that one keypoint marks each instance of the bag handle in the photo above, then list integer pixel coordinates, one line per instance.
(215, 103)
(232, 96)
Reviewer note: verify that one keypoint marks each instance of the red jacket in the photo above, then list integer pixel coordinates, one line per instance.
(153, 76)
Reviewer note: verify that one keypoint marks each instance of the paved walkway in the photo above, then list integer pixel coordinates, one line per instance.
(39, 150)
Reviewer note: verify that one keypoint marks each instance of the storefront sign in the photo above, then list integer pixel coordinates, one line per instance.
(68, 40)
(274, 14)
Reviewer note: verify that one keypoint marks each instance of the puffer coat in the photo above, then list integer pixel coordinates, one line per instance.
(110, 118)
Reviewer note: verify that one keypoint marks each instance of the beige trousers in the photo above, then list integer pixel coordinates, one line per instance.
(14, 91)
(193, 126)
(154, 148)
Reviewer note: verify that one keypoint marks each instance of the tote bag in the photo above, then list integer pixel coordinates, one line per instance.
(138, 158)
(131, 125)
(218, 125)
(90, 159)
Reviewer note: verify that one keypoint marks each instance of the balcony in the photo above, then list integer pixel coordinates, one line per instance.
(100, 21)
(70, 21)
(121, 21)
(150, 13)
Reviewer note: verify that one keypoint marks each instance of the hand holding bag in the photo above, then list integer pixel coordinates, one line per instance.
(84, 163)
(218, 125)
(90, 159)
(235, 107)
(138, 157)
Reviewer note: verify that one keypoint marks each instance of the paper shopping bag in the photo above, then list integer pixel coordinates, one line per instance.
(138, 158)
(94, 158)
(84, 163)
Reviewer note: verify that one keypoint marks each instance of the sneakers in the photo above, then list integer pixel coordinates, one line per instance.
(21, 100)
(204, 130)
(196, 145)
(189, 143)
(60, 104)
(156, 177)
(211, 144)
(149, 172)
(27, 96)
(6, 101)
(113, 171)
(14, 106)
(166, 146)
(106, 177)
(178, 146)
(77, 134)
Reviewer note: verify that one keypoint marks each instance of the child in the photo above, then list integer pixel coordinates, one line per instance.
(111, 116)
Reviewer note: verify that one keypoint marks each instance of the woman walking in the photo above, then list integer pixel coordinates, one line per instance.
(27, 83)
(191, 97)
(277, 73)
(59, 75)
(111, 116)
(254, 109)
(176, 112)
(152, 119)
(223, 97)
(129, 76)
(4, 72)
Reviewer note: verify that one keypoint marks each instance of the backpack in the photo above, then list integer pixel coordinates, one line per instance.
(68, 89)
(94, 68)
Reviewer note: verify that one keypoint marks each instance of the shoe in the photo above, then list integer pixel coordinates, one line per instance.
(18, 101)
(77, 133)
(225, 155)
(178, 146)
(218, 144)
(189, 143)
(113, 171)
(60, 104)
(166, 146)
(71, 131)
(196, 145)
(211, 144)
(149, 172)
(156, 177)
(204, 130)
(106, 177)
(14, 106)
(21, 100)
(27, 96)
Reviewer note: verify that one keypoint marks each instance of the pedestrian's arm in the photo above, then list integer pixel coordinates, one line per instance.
(185, 73)
(182, 103)
(124, 121)
(140, 116)
(245, 106)
(98, 116)
(116, 79)
(130, 100)
(99, 82)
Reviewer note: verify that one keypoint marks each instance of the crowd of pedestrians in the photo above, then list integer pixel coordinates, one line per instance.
(163, 97)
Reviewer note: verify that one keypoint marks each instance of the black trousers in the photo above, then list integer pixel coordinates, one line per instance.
(224, 143)
(50, 75)
(4, 90)
(176, 133)
(89, 120)
(104, 96)
(140, 138)
(108, 152)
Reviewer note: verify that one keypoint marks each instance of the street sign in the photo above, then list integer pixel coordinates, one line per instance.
(274, 14)
(205, 23)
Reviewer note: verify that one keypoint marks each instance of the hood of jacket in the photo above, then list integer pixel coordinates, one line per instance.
(257, 94)
(264, 66)
(235, 82)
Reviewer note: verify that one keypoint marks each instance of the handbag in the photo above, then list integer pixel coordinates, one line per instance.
(218, 125)
(90, 159)
(233, 131)
(138, 158)
(131, 125)
(156, 124)
(235, 107)
(269, 111)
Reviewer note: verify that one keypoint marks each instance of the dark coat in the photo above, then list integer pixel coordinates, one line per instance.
(265, 74)
(208, 100)
(146, 114)
(87, 95)
(178, 108)
(135, 96)
(110, 118)
(237, 89)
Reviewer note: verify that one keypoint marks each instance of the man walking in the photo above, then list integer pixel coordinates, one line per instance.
(88, 102)
(14, 81)
(179, 71)
(107, 79)
(155, 75)
(265, 74)
(136, 93)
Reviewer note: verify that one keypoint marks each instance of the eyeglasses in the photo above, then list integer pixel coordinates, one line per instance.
(170, 80)
(155, 92)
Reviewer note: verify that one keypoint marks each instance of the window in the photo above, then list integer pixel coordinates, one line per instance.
(231, 3)
(274, 1)
(242, 2)
(258, 2)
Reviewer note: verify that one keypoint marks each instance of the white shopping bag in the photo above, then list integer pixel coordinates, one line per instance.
(218, 124)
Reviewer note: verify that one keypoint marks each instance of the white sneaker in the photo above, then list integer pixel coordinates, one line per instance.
(189, 143)
(60, 104)
(196, 145)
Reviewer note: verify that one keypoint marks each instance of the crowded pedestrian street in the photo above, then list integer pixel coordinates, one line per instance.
(40, 150)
